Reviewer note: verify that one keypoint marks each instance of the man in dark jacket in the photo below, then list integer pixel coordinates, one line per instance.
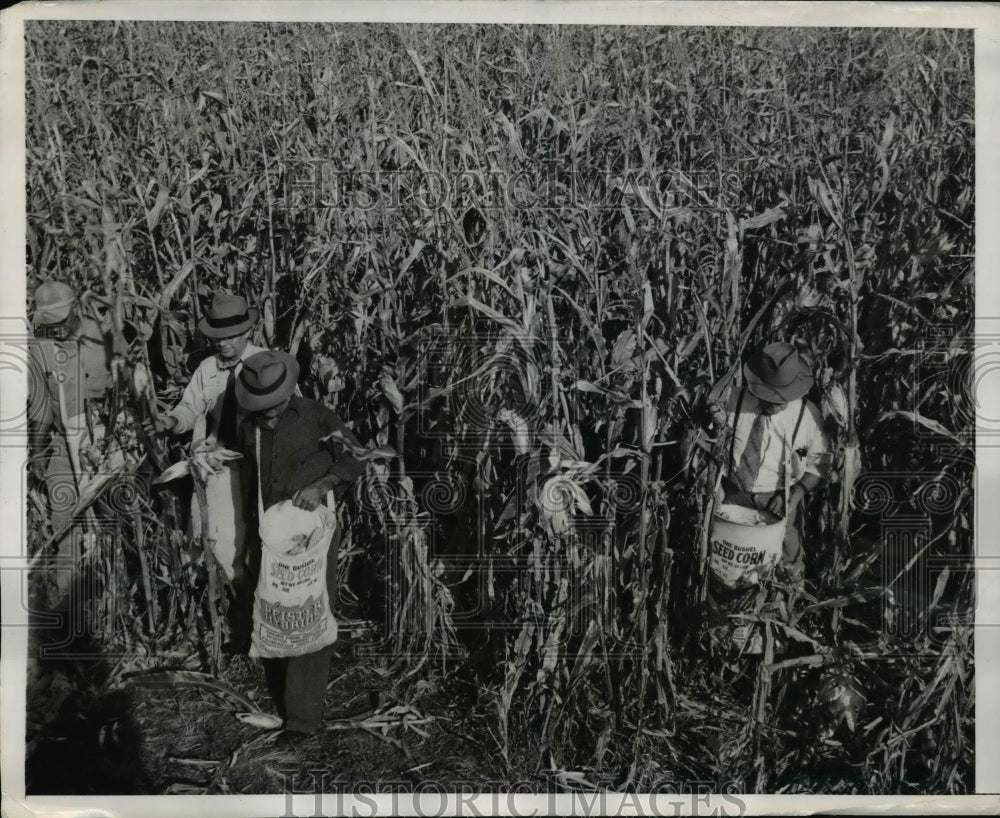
(300, 450)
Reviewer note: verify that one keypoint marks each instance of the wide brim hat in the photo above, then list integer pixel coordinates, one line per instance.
(778, 373)
(228, 316)
(265, 380)
(54, 301)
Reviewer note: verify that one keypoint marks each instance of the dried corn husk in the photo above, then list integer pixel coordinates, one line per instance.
(559, 498)
(173, 472)
(835, 405)
(841, 696)
(209, 459)
(265, 721)
(518, 429)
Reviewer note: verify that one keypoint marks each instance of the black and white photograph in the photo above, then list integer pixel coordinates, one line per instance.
(474, 409)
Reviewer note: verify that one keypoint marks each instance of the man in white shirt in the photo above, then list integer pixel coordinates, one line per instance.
(774, 429)
(204, 408)
(209, 409)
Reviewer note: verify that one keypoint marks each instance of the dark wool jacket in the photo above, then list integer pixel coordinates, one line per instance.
(293, 456)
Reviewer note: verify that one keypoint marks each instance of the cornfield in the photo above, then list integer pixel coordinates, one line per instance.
(521, 258)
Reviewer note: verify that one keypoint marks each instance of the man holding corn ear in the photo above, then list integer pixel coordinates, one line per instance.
(774, 442)
(301, 454)
(71, 365)
(209, 409)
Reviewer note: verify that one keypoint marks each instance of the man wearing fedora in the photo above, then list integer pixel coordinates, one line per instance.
(209, 409)
(771, 425)
(300, 450)
(70, 371)
(208, 406)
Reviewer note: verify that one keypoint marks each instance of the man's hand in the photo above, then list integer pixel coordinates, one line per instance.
(310, 497)
(164, 423)
(776, 505)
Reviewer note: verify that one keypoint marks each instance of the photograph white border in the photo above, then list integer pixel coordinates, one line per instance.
(985, 19)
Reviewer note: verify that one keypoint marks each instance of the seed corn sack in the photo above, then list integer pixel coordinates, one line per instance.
(291, 613)
(745, 545)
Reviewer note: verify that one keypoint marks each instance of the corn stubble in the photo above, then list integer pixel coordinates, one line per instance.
(542, 371)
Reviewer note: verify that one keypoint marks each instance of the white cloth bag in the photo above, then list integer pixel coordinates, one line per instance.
(226, 524)
(292, 613)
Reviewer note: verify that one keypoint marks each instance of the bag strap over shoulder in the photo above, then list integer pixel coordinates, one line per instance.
(802, 411)
(732, 432)
(260, 499)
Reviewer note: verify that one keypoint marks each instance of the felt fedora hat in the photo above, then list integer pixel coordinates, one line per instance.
(265, 380)
(778, 373)
(53, 302)
(227, 316)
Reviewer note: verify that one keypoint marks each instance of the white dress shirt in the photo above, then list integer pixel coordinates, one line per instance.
(804, 455)
(207, 385)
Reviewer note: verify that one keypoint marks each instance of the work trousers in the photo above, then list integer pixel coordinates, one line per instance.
(60, 486)
(298, 686)
(63, 489)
